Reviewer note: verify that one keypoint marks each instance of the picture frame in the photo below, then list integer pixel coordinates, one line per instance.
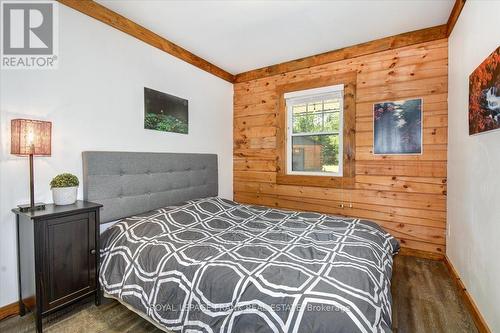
(484, 95)
(398, 127)
(165, 112)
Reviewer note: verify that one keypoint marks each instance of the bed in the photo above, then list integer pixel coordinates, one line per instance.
(189, 261)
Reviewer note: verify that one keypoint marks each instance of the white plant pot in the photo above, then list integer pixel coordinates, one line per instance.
(64, 195)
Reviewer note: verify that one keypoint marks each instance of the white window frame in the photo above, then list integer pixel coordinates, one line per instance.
(297, 97)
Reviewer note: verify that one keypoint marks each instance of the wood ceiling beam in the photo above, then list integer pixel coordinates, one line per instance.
(109, 17)
(379, 45)
(455, 13)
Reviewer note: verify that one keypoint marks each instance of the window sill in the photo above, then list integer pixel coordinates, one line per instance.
(319, 181)
(315, 174)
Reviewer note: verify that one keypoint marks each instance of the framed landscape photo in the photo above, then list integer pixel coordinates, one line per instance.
(397, 127)
(484, 95)
(164, 112)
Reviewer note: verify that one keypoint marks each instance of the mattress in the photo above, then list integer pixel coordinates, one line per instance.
(213, 265)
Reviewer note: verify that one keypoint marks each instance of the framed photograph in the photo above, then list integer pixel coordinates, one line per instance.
(484, 95)
(397, 127)
(164, 112)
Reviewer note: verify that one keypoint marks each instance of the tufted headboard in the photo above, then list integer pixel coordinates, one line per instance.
(129, 183)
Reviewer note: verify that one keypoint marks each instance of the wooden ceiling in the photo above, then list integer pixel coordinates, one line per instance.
(131, 28)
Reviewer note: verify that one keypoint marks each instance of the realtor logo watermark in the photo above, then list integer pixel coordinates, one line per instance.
(29, 35)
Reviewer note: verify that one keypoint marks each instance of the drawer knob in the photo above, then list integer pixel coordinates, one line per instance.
(92, 251)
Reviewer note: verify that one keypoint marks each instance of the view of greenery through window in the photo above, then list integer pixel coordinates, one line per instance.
(315, 136)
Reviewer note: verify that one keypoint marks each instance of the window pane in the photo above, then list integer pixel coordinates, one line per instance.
(332, 104)
(315, 153)
(315, 106)
(315, 117)
(307, 122)
(332, 121)
(299, 108)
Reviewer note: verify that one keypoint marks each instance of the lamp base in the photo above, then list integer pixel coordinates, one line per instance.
(29, 208)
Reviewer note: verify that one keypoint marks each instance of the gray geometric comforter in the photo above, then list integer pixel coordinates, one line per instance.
(213, 265)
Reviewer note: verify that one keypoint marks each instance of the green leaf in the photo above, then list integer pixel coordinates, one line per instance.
(64, 180)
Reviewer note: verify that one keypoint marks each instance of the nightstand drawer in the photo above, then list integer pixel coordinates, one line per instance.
(69, 258)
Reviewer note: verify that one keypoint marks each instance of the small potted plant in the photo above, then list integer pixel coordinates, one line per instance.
(64, 189)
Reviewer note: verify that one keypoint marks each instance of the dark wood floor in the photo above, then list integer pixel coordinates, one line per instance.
(425, 298)
(424, 295)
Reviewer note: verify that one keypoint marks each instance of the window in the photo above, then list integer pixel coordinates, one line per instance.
(315, 131)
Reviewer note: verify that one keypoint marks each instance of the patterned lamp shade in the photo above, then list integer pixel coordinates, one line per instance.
(30, 137)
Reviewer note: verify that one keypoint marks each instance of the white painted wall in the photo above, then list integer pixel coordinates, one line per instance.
(473, 243)
(95, 102)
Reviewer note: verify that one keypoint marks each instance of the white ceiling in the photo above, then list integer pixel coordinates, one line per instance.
(242, 35)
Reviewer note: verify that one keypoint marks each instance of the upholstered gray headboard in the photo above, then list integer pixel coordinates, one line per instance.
(130, 183)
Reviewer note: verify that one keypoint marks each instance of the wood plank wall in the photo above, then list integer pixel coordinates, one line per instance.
(404, 194)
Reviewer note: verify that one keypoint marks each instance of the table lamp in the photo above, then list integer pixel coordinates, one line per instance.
(30, 138)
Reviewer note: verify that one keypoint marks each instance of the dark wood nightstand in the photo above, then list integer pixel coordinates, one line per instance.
(58, 257)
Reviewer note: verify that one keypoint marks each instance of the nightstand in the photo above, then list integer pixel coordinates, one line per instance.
(58, 257)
